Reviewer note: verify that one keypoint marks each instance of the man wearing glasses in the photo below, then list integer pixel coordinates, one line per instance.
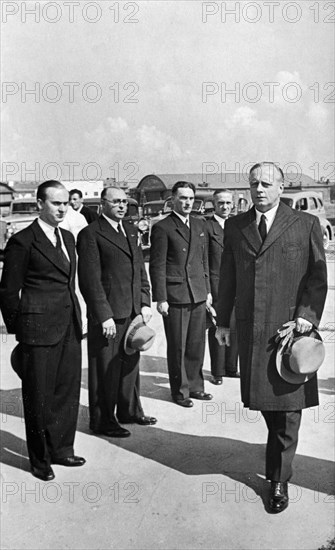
(113, 281)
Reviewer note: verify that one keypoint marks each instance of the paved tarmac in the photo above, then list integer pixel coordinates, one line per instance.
(193, 481)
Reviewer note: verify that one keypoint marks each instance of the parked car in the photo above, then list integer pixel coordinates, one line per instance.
(21, 213)
(311, 202)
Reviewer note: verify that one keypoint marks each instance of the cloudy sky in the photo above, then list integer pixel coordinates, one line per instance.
(123, 89)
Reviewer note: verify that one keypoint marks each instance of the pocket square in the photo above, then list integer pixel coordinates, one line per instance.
(202, 234)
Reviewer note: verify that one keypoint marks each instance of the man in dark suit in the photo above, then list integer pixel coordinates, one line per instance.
(274, 265)
(180, 286)
(76, 201)
(223, 358)
(115, 286)
(39, 305)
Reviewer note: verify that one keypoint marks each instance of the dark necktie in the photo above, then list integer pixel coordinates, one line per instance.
(61, 253)
(118, 229)
(262, 228)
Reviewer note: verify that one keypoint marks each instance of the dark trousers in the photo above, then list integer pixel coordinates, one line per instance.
(114, 378)
(185, 330)
(282, 443)
(51, 390)
(223, 358)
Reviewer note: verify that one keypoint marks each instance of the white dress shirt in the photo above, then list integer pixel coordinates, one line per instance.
(115, 224)
(49, 232)
(269, 217)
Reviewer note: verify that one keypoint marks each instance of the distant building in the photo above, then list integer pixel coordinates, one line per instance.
(6, 197)
(158, 186)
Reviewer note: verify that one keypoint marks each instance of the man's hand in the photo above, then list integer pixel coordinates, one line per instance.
(146, 314)
(163, 308)
(109, 328)
(222, 334)
(302, 325)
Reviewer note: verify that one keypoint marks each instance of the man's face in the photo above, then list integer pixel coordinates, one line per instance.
(76, 201)
(114, 204)
(266, 187)
(223, 204)
(54, 207)
(182, 201)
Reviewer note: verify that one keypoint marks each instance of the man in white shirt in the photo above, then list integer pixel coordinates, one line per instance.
(274, 266)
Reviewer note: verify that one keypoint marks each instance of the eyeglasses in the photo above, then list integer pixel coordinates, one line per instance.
(117, 202)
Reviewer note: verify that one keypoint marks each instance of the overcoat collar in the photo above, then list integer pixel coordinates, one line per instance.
(284, 218)
(45, 246)
(107, 231)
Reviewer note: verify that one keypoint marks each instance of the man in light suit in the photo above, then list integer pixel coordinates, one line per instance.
(114, 284)
(180, 286)
(223, 358)
(39, 306)
(274, 266)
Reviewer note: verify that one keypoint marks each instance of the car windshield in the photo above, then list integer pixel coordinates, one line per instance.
(287, 201)
(24, 208)
(152, 209)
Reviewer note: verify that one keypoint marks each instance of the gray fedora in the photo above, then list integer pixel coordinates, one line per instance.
(139, 337)
(299, 362)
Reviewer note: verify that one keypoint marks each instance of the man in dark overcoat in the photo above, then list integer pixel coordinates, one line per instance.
(274, 266)
(223, 358)
(39, 306)
(114, 284)
(180, 286)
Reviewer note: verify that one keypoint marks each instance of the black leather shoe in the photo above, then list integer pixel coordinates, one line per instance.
(201, 395)
(44, 475)
(278, 497)
(232, 375)
(217, 380)
(184, 402)
(141, 420)
(69, 461)
(116, 431)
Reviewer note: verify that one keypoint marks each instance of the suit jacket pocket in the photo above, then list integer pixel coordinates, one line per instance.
(32, 308)
(171, 280)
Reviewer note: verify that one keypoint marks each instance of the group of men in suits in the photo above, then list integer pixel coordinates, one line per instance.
(242, 263)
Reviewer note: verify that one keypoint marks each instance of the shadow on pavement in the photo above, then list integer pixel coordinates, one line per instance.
(185, 453)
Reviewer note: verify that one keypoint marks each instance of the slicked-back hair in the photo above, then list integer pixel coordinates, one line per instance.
(182, 184)
(76, 192)
(267, 163)
(43, 188)
(219, 191)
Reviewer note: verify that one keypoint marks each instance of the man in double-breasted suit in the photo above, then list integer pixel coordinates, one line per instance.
(115, 286)
(180, 286)
(223, 358)
(274, 265)
(39, 306)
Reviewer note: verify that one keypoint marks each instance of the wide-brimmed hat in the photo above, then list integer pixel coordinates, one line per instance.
(298, 362)
(16, 360)
(139, 337)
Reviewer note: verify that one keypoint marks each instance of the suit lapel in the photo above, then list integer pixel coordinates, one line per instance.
(248, 226)
(70, 250)
(107, 231)
(131, 237)
(45, 246)
(181, 228)
(217, 232)
(283, 219)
